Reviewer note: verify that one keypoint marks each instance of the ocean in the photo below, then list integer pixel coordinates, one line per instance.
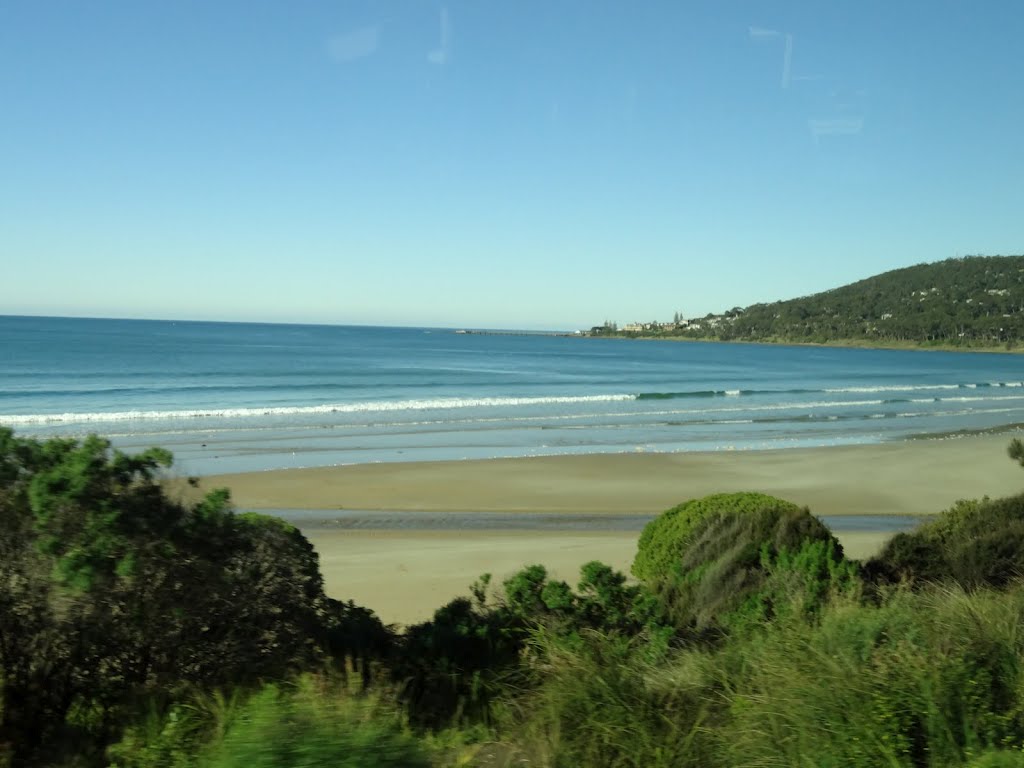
(231, 397)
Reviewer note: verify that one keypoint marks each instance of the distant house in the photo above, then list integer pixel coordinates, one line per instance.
(633, 327)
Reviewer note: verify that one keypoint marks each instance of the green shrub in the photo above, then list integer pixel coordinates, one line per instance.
(973, 544)
(604, 601)
(524, 591)
(310, 728)
(747, 567)
(448, 667)
(665, 538)
(797, 584)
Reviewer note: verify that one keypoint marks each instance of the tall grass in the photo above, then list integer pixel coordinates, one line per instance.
(603, 701)
(311, 723)
(171, 736)
(932, 679)
(312, 726)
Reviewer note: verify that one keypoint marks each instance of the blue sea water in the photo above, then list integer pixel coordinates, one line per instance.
(231, 397)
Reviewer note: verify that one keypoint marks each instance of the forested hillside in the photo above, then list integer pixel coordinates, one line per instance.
(971, 301)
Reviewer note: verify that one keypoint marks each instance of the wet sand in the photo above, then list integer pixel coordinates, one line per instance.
(404, 574)
(907, 478)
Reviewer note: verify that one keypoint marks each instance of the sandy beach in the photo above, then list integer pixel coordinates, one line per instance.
(913, 477)
(404, 575)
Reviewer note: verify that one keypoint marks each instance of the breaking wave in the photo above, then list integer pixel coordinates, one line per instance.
(378, 406)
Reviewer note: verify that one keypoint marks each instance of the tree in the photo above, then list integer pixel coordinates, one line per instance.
(111, 591)
(975, 300)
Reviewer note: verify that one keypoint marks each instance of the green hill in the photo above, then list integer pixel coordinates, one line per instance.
(976, 301)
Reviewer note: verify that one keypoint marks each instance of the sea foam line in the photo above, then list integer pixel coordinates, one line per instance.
(406, 405)
(379, 406)
(450, 404)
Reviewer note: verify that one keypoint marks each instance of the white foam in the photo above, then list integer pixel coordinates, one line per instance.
(891, 388)
(378, 406)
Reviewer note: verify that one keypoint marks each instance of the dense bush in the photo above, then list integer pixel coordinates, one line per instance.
(451, 667)
(603, 601)
(973, 544)
(447, 668)
(746, 567)
(114, 593)
(665, 538)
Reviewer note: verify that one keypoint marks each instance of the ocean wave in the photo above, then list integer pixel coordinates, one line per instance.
(438, 403)
(967, 399)
(873, 389)
(378, 406)
(679, 395)
(894, 388)
(399, 407)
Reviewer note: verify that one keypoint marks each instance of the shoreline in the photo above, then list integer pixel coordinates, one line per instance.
(833, 344)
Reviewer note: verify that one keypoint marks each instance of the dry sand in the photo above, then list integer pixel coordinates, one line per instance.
(405, 575)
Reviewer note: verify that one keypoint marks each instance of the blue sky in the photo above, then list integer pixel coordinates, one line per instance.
(496, 164)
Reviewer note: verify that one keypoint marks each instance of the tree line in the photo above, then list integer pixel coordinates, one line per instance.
(970, 301)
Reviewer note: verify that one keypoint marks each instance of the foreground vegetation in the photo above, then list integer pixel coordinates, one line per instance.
(976, 302)
(140, 630)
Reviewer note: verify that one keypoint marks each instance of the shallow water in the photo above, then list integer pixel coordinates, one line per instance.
(330, 519)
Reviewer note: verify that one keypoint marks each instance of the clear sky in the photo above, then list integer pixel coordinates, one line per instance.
(545, 164)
